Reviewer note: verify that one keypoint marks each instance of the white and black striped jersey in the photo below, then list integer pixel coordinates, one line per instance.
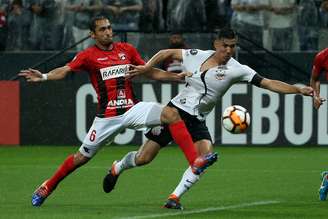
(203, 89)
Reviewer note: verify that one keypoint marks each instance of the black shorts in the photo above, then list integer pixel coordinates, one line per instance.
(197, 129)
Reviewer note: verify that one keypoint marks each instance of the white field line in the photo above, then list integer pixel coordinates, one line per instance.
(212, 169)
(204, 210)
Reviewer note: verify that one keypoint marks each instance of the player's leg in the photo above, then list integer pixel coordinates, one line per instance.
(150, 114)
(140, 116)
(71, 163)
(175, 118)
(203, 142)
(146, 153)
(201, 137)
(101, 130)
(323, 190)
(179, 132)
(189, 178)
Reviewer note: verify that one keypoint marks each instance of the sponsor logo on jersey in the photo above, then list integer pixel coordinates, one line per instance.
(114, 71)
(120, 103)
(193, 51)
(122, 56)
(121, 94)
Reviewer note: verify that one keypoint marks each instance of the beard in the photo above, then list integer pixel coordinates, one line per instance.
(107, 42)
(177, 45)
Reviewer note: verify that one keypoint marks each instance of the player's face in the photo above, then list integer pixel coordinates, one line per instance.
(103, 33)
(176, 41)
(225, 48)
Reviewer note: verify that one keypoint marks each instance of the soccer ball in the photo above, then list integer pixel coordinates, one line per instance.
(236, 119)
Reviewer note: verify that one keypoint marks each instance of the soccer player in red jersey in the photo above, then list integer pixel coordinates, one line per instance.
(107, 62)
(320, 66)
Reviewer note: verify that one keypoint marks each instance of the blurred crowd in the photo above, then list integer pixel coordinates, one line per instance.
(277, 25)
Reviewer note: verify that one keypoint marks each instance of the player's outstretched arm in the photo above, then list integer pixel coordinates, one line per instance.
(163, 55)
(149, 71)
(160, 75)
(33, 75)
(282, 87)
(156, 74)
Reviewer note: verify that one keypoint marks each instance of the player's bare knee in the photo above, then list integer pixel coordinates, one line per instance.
(170, 115)
(80, 159)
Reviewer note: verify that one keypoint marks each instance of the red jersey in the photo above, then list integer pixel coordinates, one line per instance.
(106, 70)
(320, 64)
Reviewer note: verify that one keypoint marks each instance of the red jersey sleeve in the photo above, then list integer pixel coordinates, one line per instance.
(135, 56)
(79, 62)
(318, 64)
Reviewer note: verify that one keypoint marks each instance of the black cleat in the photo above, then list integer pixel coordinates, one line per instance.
(110, 179)
(173, 203)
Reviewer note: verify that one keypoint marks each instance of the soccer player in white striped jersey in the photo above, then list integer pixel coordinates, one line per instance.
(213, 73)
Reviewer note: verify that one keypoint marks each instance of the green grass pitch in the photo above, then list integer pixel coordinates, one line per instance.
(246, 182)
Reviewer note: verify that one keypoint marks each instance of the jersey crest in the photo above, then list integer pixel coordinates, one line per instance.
(193, 51)
(122, 56)
(221, 72)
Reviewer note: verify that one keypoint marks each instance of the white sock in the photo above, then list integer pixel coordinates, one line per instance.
(187, 181)
(127, 162)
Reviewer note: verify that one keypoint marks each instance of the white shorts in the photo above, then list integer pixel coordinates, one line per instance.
(141, 115)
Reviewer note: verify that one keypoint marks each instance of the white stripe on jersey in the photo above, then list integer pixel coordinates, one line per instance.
(203, 89)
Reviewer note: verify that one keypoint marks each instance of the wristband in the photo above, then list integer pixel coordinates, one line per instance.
(44, 77)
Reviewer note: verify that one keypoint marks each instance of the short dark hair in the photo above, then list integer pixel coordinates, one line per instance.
(176, 32)
(17, 2)
(92, 24)
(226, 33)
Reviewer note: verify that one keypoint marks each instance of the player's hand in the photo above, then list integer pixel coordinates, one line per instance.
(136, 70)
(318, 101)
(307, 91)
(31, 75)
(181, 76)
